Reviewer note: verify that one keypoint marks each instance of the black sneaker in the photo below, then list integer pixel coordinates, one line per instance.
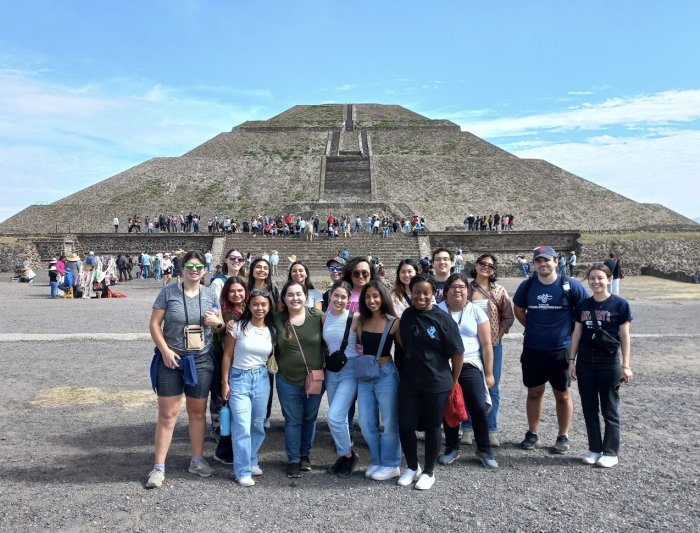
(293, 470)
(529, 441)
(561, 446)
(305, 464)
(348, 465)
(337, 466)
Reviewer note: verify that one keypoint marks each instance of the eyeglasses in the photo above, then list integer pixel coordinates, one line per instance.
(194, 266)
(458, 287)
(260, 292)
(489, 266)
(236, 258)
(335, 268)
(360, 274)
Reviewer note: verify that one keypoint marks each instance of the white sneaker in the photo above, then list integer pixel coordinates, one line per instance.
(409, 476)
(155, 479)
(386, 472)
(246, 481)
(200, 468)
(425, 482)
(607, 461)
(591, 458)
(371, 470)
(257, 471)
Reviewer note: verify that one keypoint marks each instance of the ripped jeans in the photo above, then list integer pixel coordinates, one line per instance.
(248, 404)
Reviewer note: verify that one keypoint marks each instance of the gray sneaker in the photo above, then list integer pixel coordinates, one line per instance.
(529, 441)
(487, 460)
(201, 468)
(155, 479)
(468, 437)
(561, 446)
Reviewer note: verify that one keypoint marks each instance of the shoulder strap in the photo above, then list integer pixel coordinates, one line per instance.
(385, 333)
(348, 324)
(300, 349)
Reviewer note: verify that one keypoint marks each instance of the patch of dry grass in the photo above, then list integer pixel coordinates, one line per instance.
(65, 396)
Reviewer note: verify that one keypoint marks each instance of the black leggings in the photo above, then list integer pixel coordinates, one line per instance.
(474, 392)
(422, 410)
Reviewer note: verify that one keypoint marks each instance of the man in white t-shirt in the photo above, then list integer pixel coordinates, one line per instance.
(115, 223)
(208, 258)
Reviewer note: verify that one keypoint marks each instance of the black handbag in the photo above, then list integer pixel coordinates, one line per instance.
(337, 360)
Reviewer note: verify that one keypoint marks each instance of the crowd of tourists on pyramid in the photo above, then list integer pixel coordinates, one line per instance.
(494, 222)
(288, 225)
(408, 351)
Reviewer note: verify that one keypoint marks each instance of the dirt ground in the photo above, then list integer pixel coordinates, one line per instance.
(77, 423)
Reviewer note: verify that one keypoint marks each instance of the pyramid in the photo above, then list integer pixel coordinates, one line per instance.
(352, 159)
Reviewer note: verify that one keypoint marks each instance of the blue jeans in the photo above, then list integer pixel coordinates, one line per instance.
(342, 389)
(493, 391)
(596, 387)
(54, 288)
(248, 401)
(146, 271)
(300, 413)
(375, 398)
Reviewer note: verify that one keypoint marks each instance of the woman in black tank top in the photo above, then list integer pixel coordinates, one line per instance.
(379, 396)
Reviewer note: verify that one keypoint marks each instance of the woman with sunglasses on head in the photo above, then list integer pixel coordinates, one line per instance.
(477, 370)
(378, 398)
(234, 265)
(300, 273)
(431, 343)
(401, 294)
(601, 332)
(358, 272)
(183, 319)
(259, 278)
(299, 332)
(244, 382)
(233, 299)
(493, 299)
(341, 383)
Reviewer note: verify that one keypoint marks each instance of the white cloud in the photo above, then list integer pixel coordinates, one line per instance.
(674, 106)
(654, 170)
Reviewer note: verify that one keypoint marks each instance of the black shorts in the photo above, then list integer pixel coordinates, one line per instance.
(541, 366)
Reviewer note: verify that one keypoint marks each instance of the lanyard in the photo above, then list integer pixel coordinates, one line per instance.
(184, 304)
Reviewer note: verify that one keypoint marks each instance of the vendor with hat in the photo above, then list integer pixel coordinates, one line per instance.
(53, 280)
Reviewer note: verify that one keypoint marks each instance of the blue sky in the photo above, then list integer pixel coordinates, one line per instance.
(607, 90)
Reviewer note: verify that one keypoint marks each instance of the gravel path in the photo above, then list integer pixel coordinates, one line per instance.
(76, 439)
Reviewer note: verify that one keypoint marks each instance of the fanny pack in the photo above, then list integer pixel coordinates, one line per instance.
(601, 340)
(337, 360)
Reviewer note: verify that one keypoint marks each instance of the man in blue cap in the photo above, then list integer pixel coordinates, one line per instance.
(544, 304)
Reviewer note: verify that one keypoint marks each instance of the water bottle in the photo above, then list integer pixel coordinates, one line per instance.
(225, 421)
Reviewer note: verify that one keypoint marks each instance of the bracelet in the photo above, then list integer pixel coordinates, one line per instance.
(572, 360)
(628, 368)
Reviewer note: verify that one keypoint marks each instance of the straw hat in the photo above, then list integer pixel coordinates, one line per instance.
(73, 257)
(273, 252)
(292, 258)
(53, 268)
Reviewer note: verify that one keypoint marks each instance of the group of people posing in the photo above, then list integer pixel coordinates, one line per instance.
(398, 353)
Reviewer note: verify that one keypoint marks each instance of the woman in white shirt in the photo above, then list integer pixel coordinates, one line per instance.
(245, 384)
(476, 377)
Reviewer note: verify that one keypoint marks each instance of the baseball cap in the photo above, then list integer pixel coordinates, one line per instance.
(336, 259)
(544, 251)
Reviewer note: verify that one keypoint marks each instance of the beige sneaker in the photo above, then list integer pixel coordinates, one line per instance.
(155, 479)
(494, 441)
(468, 437)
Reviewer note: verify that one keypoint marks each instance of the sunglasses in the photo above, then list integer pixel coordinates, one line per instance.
(360, 274)
(260, 292)
(458, 287)
(335, 268)
(236, 258)
(194, 266)
(490, 266)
